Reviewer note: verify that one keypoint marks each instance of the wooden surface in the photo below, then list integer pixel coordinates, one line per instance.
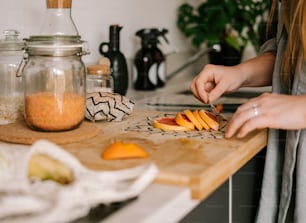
(20, 133)
(201, 161)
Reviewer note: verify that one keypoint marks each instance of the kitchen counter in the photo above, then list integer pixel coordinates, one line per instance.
(175, 191)
(162, 202)
(170, 201)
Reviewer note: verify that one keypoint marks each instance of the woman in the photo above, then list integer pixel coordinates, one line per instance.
(282, 63)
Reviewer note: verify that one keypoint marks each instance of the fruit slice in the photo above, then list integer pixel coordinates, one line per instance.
(168, 124)
(182, 120)
(210, 119)
(196, 114)
(46, 168)
(121, 150)
(193, 119)
(219, 108)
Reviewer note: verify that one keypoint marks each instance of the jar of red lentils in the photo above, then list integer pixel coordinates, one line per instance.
(54, 80)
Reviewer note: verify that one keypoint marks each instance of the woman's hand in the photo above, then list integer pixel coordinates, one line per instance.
(268, 111)
(215, 80)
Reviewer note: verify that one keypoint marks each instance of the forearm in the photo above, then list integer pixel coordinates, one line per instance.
(257, 71)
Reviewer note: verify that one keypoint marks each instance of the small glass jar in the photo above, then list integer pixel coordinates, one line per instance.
(11, 90)
(54, 83)
(99, 79)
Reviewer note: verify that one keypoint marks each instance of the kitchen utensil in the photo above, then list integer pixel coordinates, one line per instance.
(229, 108)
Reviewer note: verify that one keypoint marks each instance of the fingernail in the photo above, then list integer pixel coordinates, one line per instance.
(227, 135)
(208, 99)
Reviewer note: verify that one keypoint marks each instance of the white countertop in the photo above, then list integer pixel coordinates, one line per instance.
(158, 203)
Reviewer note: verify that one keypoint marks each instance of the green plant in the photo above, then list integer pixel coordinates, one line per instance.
(234, 22)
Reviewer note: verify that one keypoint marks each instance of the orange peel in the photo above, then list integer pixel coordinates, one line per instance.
(122, 150)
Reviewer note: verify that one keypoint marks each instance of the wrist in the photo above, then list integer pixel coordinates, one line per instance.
(257, 71)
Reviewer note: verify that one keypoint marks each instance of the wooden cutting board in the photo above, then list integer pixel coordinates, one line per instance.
(200, 160)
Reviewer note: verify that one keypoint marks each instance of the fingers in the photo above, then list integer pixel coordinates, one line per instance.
(248, 117)
(200, 88)
(205, 83)
(251, 125)
(217, 91)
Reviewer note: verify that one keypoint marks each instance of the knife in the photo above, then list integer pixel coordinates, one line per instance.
(226, 107)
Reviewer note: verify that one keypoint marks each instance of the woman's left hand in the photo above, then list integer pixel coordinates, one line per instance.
(269, 110)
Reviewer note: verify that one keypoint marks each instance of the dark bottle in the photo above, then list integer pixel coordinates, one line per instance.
(149, 61)
(118, 61)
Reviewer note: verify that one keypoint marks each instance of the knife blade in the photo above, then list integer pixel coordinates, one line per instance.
(226, 107)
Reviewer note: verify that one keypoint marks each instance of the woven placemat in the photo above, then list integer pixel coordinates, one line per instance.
(20, 133)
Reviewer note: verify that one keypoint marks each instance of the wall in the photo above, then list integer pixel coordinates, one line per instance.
(93, 17)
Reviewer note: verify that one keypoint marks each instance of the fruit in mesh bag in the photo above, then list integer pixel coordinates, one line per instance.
(44, 167)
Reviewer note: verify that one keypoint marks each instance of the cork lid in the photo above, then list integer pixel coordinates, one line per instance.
(104, 61)
(98, 69)
(59, 3)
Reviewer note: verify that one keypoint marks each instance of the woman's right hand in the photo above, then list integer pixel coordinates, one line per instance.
(215, 80)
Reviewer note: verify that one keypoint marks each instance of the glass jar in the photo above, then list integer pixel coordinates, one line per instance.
(11, 90)
(58, 20)
(99, 79)
(54, 82)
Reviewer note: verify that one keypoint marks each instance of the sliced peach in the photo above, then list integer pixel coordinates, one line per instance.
(182, 120)
(168, 123)
(196, 114)
(121, 150)
(210, 119)
(193, 119)
(219, 108)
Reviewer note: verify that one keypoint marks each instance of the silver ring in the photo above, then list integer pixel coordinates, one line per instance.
(255, 110)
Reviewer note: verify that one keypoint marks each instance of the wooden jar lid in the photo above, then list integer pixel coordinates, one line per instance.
(59, 3)
(102, 68)
(98, 69)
